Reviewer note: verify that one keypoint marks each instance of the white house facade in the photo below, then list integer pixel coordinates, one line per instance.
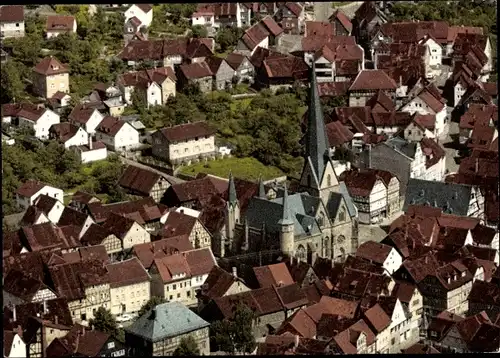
(41, 125)
(146, 18)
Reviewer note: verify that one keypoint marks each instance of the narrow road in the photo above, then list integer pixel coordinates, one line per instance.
(170, 178)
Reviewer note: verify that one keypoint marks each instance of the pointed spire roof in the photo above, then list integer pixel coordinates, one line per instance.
(232, 198)
(316, 140)
(286, 218)
(262, 190)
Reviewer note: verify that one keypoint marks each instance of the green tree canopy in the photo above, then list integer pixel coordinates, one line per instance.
(236, 335)
(198, 31)
(187, 347)
(104, 321)
(152, 303)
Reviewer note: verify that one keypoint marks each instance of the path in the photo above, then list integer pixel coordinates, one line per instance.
(170, 178)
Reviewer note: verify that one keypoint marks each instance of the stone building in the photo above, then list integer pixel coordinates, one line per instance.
(318, 220)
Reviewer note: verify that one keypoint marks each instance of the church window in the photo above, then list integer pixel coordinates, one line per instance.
(329, 180)
(342, 215)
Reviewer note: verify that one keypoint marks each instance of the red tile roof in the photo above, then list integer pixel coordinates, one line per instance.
(145, 7)
(149, 251)
(64, 131)
(338, 134)
(12, 13)
(261, 30)
(289, 67)
(139, 180)
(359, 183)
(60, 23)
(343, 19)
(432, 150)
(377, 318)
(270, 275)
(188, 131)
(50, 66)
(110, 126)
(178, 224)
(319, 28)
(217, 284)
(453, 31)
(333, 89)
(415, 31)
(374, 251)
(30, 188)
(373, 80)
(314, 43)
(126, 273)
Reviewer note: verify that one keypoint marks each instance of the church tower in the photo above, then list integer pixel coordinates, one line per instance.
(232, 211)
(287, 234)
(318, 176)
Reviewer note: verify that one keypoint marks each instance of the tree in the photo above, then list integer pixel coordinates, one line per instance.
(227, 38)
(104, 321)
(198, 31)
(152, 303)
(11, 81)
(235, 335)
(187, 347)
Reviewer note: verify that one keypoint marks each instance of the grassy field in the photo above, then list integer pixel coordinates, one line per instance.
(243, 168)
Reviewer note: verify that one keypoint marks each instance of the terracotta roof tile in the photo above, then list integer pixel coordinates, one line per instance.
(126, 273)
(270, 275)
(217, 283)
(60, 23)
(374, 251)
(359, 183)
(138, 180)
(314, 43)
(373, 80)
(319, 28)
(377, 318)
(148, 251)
(289, 67)
(50, 66)
(343, 19)
(432, 150)
(12, 13)
(188, 131)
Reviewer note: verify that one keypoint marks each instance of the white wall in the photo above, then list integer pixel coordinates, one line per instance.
(127, 137)
(191, 148)
(12, 29)
(417, 166)
(264, 43)
(203, 20)
(133, 296)
(378, 196)
(393, 262)
(136, 235)
(93, 155)
(94, 120)
(18, 348)
(458, 93)
(146, 19)
(55, 213)
(435, 55)
(47, 190)
(80, 138)
(42, 125)
(154, 97)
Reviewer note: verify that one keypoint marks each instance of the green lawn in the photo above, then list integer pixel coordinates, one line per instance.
(243, 168)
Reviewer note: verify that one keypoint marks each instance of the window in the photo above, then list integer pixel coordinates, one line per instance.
(188, 293)
(393, 341)
(52, 86)
(175, 286)
(171, 297)
(178, 295)
(111, 345)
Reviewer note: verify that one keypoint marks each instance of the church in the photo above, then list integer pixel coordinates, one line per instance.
(319, 219)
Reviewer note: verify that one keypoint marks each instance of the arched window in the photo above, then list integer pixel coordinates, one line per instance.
(321, 219)
(302, 253)
(341, 257)
(342, 214)
(328, 180)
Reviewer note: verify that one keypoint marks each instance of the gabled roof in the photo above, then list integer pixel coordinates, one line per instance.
(319, 28)
(178, 223)
(64, 131)
(11, 13)
(258, 32)
(372, 80)
(50, 66)
(373, 251)
(60, 23)
(79, 341)
(187, 131)
(118, 225)
(235, 60)
(195, 70)
(125, 273)
(145, 7)
(149, 251)
(343, 19)
(139, 180)
(273, 275)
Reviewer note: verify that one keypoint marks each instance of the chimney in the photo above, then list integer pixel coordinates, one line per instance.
(14, 313)
(235, 271)
(90, 142)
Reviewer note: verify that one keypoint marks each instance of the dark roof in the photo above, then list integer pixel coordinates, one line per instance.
(12, 13)
(48, 236)
(79, 341)
(289, 67)
(145, 77)
(110, 125)
(374, 251)
(71, 216)
(195, 70)
(235, 60)
(343, 19)
(30, 188)
(178, 223)
(149, 251)
(432, 150)
(420, 348)
(139, 180)
(21, 286)
(187, 131)
(145, 7)
(319, 28)
(118, 225)
(360, 183)
(64, 131)
(50, 66)
(217, 283)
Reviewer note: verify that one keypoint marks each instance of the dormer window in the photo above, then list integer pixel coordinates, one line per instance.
(55, 67)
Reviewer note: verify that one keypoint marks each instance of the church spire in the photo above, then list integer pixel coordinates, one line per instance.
(316, 140)
(232, 190)
(262, 190)
(286, 217)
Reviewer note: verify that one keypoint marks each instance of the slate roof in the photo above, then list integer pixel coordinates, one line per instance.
(167, 320)
(452, 198)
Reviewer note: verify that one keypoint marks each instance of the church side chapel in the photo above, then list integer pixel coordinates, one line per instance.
(318, 220)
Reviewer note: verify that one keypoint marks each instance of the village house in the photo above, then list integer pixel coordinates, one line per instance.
(60, 24)
(82, 341)
(179, 276)
(483, 138)
(263, 34)
(50, 207)
(341, 23)
(451, 333)
(92, 151)
(127, 230)
(160, 330)
(11, 21)
(457, 199)
(290, 16)
(338, 63)
(412, 301)
(117, 135)
(367, 18)
(204, 15)
(36, 117)
(380, 254)
(14, 346)
(196, 73)
(84, 285)
(272, 306)
(29, 191)
(141, 182)
(86, 117)
(281, 72)
(179, 223)
(370, 193)
(484, 296)
(222, 73)
(129, 286)
(156, 85)
(367, 83)
(68, 134)
(133, 29)
(59, 101)
(421, 126)
(220, 283)
(143, 12)
(19, 288)
(408, 160)
(184, 142)
(78, 221)
(50, 76)
(243, 68)
(480, 45)
(476, 115)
